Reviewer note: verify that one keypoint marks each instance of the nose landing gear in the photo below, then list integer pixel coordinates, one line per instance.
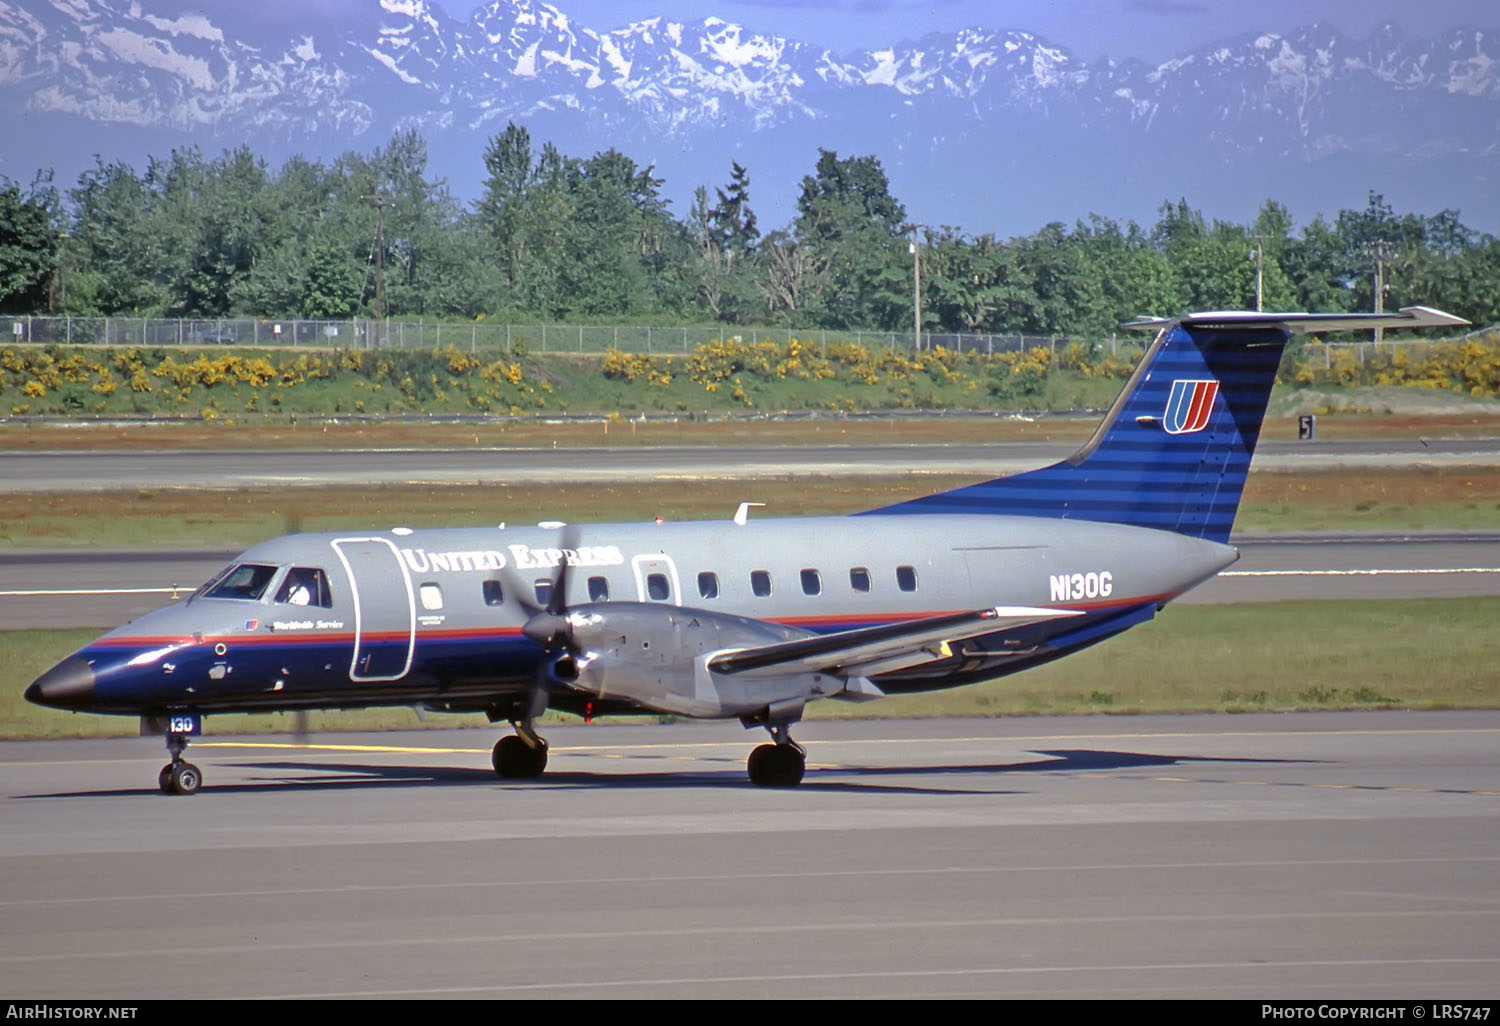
(179, 777)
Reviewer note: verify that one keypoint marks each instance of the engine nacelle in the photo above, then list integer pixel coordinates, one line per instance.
(658, 655)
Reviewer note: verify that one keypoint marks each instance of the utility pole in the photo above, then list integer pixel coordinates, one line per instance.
(1379, 251)
(916, 293)
(380, 201)
(55, 291)
(1259, 256)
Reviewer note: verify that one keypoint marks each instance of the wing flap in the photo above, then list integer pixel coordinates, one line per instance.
(883, 648)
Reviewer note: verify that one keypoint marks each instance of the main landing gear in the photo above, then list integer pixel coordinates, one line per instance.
(780, 764)
(522, 755)
(178, 777)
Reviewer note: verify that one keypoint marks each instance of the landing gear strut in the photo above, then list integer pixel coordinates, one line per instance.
(522, 755)
(780, 764)
(178, 777)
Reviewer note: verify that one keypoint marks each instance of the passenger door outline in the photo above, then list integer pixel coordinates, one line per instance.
(362, 607)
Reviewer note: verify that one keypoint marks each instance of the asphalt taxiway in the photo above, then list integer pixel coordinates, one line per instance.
(1348, 855)
(68, 470)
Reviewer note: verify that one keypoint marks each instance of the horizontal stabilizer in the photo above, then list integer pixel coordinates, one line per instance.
(1307, 323)
(849, 652)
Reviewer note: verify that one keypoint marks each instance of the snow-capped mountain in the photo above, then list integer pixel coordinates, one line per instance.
(988, 130)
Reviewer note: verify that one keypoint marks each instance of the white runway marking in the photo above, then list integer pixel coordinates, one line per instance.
(92, 591)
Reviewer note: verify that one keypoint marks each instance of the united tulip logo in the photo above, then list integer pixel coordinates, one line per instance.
(1189, 406)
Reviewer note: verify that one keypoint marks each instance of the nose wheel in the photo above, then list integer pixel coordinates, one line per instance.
(179, 777)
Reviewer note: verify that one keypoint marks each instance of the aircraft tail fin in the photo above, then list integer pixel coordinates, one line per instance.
(1174, 449)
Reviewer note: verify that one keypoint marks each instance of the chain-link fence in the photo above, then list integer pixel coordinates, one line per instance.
(508, 338)
(559, 338)
(1324, 353)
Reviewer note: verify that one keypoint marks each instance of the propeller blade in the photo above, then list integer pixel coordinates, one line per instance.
(557, 603)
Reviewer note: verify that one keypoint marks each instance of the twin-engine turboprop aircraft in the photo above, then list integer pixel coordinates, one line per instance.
(750, 619)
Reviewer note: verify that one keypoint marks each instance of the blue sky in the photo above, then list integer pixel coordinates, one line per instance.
(1147, 29)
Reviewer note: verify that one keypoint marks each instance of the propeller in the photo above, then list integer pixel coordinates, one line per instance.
(548, 625)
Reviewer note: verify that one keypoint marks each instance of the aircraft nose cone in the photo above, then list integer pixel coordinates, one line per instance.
(68, 685)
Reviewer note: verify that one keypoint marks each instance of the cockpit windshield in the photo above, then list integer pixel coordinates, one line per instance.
(243, 581)
(305, 586)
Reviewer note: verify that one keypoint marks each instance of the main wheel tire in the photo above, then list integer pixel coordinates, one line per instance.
(790, 766)
(776, 766)
(759, 765)
(514, 759)
(164, 779)
(184, 778)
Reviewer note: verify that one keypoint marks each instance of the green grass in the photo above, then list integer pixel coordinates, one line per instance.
(1283, 656)
(1274, 656)
(180, 517)
(1421, 498)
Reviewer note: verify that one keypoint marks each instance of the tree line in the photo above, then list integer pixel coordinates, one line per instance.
(558, 237)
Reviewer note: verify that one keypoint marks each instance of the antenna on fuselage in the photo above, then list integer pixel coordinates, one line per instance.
(742, 514)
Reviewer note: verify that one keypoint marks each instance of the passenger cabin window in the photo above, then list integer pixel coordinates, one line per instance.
(812, 584)
(246, 581)
(708, 584)
(658, 588)
(493, 594)
(906, 578)
(859, 578)
(305, 586)
(598, 589)
(760, 583)
(543, 588)
(431, 595)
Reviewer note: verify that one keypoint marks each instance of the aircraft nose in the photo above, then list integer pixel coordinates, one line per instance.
(68, 685)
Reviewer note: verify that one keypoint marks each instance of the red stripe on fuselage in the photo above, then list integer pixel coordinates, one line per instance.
(813, 623)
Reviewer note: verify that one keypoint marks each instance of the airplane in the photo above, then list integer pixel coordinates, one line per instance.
(746, 618)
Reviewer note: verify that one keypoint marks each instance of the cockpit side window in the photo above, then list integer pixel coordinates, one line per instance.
(245, 581)
(305, 586)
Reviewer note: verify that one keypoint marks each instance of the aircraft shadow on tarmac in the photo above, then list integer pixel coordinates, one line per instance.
(319, 776)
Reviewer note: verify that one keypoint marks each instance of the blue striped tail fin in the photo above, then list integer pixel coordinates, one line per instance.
(1172, 453)
(1174, 450)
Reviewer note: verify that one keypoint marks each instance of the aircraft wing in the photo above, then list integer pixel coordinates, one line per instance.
(881, 649)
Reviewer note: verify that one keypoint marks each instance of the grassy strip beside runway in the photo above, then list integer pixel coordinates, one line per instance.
(1360, 499)
(1283, 656)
